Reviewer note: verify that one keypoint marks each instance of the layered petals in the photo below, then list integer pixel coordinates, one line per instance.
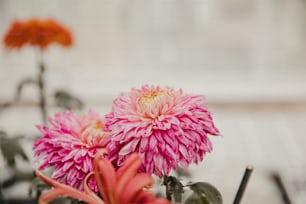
(70, 146)
(165, 126)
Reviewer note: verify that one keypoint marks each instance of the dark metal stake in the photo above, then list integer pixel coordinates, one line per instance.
(243, 184)
(279, 183)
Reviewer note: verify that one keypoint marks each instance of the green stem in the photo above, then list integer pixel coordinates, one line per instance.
(166, 183)
(42, 93)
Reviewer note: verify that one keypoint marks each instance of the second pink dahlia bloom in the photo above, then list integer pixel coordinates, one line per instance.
(70, 145)
(165, 126)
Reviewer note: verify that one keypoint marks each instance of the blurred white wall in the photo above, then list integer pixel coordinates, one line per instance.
(246, 56)
(227, 49)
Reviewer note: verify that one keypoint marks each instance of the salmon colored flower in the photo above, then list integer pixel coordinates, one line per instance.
(70, 146)
(36, 32)
(165, 126)
(123, 186)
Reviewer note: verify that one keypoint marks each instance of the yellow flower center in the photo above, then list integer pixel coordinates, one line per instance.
(149, 97)
(98, 126)
(151, 103)
(93, 132)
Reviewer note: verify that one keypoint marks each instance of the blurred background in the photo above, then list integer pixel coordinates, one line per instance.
(248, 57)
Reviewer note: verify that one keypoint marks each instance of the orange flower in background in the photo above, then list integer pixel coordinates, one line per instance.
(36, 32)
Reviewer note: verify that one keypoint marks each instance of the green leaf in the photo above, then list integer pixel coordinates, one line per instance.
(21, 85)
(204, 193)
(66, 201)
(174, 188)
(74, 201)
(10, 148)
(65, 100)
(18, 176)
(195, 198)
(18, 93)
(37, 186)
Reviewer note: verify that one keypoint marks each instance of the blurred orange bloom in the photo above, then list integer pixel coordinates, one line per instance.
(37, 32)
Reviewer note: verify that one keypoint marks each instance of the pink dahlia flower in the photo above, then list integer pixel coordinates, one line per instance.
(165, 126)
(70, 146)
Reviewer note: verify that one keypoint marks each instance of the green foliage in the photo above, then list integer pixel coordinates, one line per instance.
(62, 201)
(77, 202)
(37, 186)
(18, 176)
(65, 100)
(174, 188)
(10, 148)
(204, 193)
(66, 201)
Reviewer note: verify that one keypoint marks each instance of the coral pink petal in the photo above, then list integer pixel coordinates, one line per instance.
(134, 186)
(106, 178)
(61, 190)
(127, 172)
